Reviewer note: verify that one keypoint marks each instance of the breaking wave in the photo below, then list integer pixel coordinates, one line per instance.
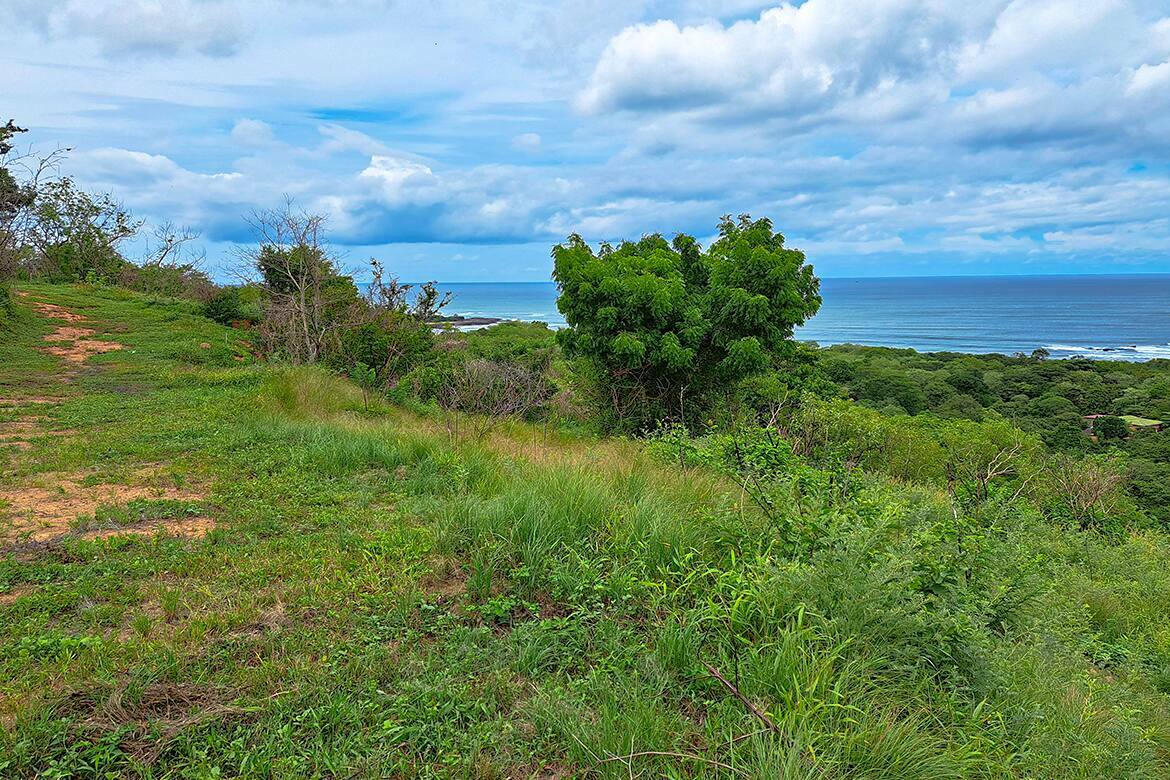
(1131, 352)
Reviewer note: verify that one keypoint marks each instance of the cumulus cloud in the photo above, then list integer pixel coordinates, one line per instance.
(252, 132)
(792, 59)
(398, 181)
(868, 129)
(995, 70)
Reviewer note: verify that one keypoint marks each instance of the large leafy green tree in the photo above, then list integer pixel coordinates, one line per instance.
(663, 327)
(77, 234)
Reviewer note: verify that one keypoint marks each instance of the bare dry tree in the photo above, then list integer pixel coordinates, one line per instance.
(169, 246)
(492, 391)
(292, 262)
(1088, 486)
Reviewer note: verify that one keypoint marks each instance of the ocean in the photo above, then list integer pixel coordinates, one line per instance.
(1103, 317)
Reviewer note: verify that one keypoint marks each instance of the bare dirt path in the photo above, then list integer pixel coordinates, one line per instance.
(71, 342)
(50, 506)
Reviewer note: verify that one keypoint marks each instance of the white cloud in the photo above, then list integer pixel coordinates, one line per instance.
(865, 128)
(526, 142)
(252, 132)
(791, 59)
(342, 139)
(398, 181)
(1149, 78)
(213, 28)
(924, 67)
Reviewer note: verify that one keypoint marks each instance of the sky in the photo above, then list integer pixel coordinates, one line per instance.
(460, 140)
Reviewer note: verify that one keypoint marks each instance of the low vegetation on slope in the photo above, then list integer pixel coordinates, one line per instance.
(242, 569)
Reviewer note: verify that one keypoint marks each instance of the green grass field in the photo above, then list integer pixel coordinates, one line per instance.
(217, 568)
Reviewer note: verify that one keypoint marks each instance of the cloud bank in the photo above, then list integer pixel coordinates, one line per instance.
(884, 137)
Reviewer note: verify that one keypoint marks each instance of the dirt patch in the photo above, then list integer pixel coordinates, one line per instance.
(162, 708)
(77, 344)
(29, 400)
(69, 334)
(12, 594)
(50, 510)
(23, 427)
(21, 432)
(270, 620)
(186, 527)
(82, 350)
(56, 312)
(27, 428)
(446, 582)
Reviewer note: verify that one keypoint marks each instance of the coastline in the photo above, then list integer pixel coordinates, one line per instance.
(1119, 317)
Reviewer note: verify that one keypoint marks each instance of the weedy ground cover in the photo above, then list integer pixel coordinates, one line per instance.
(368, 595)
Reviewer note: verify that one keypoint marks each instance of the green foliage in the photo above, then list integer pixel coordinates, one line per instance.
(379, 599)
(366, 378)
(1110, 428)
(181, 281)
(234, 304)
(392, 342)
(1049, 398)
(667, 326)
(77, 234)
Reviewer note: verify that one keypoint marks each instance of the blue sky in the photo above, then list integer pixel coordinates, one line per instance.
(460, 140)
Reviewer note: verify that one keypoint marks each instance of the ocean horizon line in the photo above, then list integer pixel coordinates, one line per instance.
(899, 277)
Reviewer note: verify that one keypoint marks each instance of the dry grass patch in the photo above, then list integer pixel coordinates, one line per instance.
(153, 717)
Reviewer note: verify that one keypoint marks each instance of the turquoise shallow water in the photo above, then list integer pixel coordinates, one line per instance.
(1106, 317)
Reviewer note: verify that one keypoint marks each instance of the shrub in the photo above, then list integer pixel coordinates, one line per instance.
(169, 281)
(233, 304)
(1088, 490)
(493, 390)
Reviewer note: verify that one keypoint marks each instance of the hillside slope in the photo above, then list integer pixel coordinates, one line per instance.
(213, 567)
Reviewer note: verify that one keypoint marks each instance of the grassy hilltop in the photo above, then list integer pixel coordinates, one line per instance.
(214, 567)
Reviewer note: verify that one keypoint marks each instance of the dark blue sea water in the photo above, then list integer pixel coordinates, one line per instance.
(1105, 317)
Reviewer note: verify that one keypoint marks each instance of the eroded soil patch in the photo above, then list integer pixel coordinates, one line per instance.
(77, 346)
(61, 505)
(12, 594)
(56, 312)
(21, 432)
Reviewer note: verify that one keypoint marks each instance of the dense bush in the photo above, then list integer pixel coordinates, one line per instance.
(168, 281)
(230, 305)
(668, 327)
(1048, 398)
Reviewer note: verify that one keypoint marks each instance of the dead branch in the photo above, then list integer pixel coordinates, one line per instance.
(746, 701)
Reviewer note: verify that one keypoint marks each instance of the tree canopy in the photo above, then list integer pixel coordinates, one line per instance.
(666, 323)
